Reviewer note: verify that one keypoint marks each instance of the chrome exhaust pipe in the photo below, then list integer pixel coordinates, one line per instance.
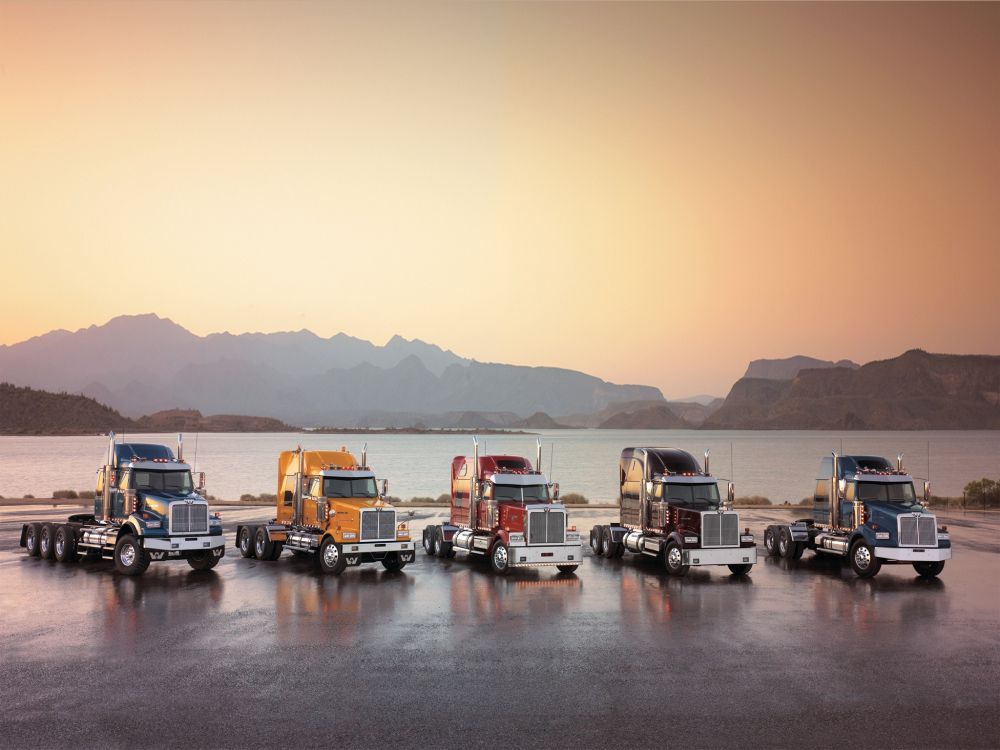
(538, 455)
(708, 473)
(108, 469)
(180, 446)
(364, 456)
(474, 483)
(835, 493)
(899, 462)
(298, 486)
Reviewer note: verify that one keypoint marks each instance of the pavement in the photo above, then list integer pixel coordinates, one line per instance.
(444, 653)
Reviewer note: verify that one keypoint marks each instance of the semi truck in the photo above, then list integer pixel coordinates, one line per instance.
(330, 505)
(505, 510)
(146, 509)
(671, 510)
(866, 509)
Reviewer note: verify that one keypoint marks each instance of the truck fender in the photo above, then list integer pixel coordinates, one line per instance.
(674, 536)
(131, 525)
(502, 535)
(24, 531)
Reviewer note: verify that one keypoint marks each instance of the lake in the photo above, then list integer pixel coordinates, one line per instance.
(780, 465)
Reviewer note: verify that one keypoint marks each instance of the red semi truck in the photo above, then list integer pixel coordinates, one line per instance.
(505, 509)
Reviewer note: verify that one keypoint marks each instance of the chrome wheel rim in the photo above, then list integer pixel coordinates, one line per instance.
(330, 555)
(500, 556)
(259, 547)
(674, 557)
(44, 543)
(127, 555)
(244, 540)
(30, 538)
(862, 557)
(60, 545)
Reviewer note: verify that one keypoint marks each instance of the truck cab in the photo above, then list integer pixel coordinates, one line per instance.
(505, 508)
(672, 510)
(331, 505)
(866, 509)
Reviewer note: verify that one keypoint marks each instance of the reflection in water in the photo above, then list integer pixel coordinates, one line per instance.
(476, 595)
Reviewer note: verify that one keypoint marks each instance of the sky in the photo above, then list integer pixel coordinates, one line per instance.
(651, 193)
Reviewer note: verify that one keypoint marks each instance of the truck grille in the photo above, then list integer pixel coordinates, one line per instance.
(546, 527)
(917, 531)
(188, 518)
(378, 524)
(720, 529)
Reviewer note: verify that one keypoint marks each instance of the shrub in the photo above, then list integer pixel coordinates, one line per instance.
(65, 495)
(28, 497)
(86, 494)
(748, 500)
(806, 501)
(983, 493)
(573, 498)
(264, 498)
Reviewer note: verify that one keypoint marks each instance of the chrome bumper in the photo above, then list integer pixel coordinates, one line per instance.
(724, 556)
(544, 554)
(183, 544)
(909, 554)
(361, 548)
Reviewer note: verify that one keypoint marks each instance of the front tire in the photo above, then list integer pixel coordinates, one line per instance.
(929, 568)
(31, 539)
(740, 570)
(673, 559)
(65, 544)
(499, 559)
(393, 563)
(245, 542)
(130, 558)
(46, 539)
(203, 561)
(863, 560)
(331, 557)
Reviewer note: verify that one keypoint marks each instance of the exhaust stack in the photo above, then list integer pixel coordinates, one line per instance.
(108, 469)
(180, 446)
(835, 493)
(707, 472)
(473, 483)
(538, 455)
(298, 485)
(364, 456)
(899, 462)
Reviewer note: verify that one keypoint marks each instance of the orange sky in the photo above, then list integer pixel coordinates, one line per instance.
(650, 193)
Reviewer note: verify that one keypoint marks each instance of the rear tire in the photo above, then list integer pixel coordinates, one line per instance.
(46, 541)
(673, 560)
(263, 548)
(245, 542)
(594, 533)
(276, 549)
(863, 560)
(499, 559)
(567, 568)
(330, 557)
(392, 563)
(610, 548)
(65, 544)
(430, 541)
(929, 568)
(786, 545)
(203, 561)
(31, 539)
(130, 558)
(601, 541)
(770, 543)
(740, 570)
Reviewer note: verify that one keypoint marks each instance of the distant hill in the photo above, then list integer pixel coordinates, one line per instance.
(789, 367)
(144, 364)
(648, 415)
(191, 420)
(26, 411)
(655, 417)
(915, 391)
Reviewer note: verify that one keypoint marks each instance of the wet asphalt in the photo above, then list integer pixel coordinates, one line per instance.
(618, 655)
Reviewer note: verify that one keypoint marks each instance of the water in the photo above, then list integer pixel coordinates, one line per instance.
(780, 465)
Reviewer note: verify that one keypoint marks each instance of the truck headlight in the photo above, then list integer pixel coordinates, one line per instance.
(158, 524)
(943, 536)
(350, 535)
(746, 537)
(515, 538)
(572, 536)
(690, 540)
(881, 534)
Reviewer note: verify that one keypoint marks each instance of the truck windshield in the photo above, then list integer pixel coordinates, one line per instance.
(349, 487)
(887, 492)
(701, 495)
(163, 481)
(532, 492)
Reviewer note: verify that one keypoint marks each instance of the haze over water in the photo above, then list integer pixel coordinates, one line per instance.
(780, 465)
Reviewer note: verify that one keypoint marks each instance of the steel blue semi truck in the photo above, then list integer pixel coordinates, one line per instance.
(866, 509)
(146, 508)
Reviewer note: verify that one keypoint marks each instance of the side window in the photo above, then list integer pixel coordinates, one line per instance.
(635, 471)
(100, 481)
(316, 487)
(288, 490)
(822, 489)
(849, 495)
(124, 480)
(463, 473)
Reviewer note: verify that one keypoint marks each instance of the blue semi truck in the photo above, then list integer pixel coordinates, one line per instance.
(146, 508)
(866, 509)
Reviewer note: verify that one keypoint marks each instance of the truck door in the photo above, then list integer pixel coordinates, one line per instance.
(286, 499)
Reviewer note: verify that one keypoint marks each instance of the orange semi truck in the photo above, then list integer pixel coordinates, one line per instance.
(330, 504)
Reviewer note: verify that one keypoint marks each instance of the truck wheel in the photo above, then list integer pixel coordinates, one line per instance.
(330, 557)
(45, 541)
(203, 561)
(786, 545)
(740, 570)
(800, 547)
(610, 548)
(599, 549)
(567, 568)
(31, 539)
(673, 559)
(770, 543)
(276, 549)
(595, 533)
(430, 541)
(65, 544)
(263, 548)
(392, 563)
(863, 560)
(499, 560)
(929, 569)
(245, 542)
(130, 558)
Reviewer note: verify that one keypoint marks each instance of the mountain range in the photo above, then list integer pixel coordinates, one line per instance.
(143, 364)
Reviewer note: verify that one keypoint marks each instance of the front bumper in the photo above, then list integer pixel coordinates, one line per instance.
(723, 556)
(183, 543)
(363, 548)
(544, 554)
(910, 554)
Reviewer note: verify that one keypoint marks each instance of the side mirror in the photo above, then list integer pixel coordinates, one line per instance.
(649, 487)
(289, 497)
(730, 494)
(927, 493)
(841, 489)
(385, 487)
(555, 490)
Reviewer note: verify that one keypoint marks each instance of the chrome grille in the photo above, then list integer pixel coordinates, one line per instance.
(378, 524)
(720, 529)
(188, 518)
(546, 527)
(917, 531)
